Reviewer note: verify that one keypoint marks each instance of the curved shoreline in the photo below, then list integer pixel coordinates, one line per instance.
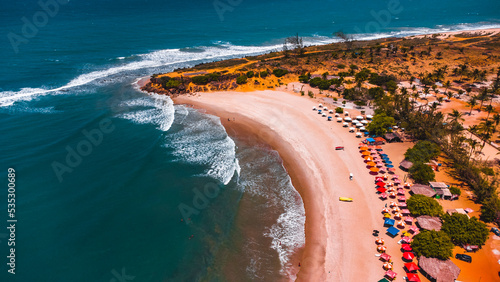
(336, 232)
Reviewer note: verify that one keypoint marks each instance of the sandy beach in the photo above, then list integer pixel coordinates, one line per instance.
(338, 234)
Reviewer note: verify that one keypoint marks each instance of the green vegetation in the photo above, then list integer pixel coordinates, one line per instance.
(310, 93)
(422, 173)
(205, 79)
(279, 72)
(242, 79)
(422, 151)
(263, 74)
(380, 123)
(304, 78)
(433, 244)
(250, 74)
(463, 230)
(339, 110)
(341, 66)
(422, 205)
(455, 191)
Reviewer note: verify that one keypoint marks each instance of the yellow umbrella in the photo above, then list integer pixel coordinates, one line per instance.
(371, 163)
(374, 169)
(386, 215)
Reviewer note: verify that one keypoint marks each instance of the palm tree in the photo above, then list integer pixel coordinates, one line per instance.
(489, 109)
(486, 129)
(483, 97)
(473, 144)
(447, 84)
(455, 116)
(472, 102)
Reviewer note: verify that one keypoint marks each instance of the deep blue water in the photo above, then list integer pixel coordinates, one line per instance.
(92, 208)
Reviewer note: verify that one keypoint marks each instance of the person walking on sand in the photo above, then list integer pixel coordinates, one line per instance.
(350, 176)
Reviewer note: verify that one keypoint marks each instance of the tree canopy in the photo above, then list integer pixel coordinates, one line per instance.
(422, 173)
(433, 244)
(463, 230)
(422, 151)
(380, 123)
(422, 205)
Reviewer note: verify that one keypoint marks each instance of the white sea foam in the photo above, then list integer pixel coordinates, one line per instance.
(267, 178)
(155, 109)
(223, 50)
(203, 140)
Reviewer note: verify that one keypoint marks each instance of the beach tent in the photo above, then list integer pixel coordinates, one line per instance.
(408, 255)
(413, 277)
(370, 140)
(393, 231)
(389, 221)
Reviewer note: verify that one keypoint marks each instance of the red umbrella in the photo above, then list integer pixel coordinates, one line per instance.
(408, 256)
(379, 179)
(413, 277)
(391, 274)
(406, 247)
(411, 266)
(380, 184)
(391, 169)
(385, 257)
(381, 189)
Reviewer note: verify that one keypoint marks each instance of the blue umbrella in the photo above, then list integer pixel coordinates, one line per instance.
(383, 155)
(389, 221)
(388, 162)
(389, 165)
(393, 231)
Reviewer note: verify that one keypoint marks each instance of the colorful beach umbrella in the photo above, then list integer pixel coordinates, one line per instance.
(406, 247)
(374, 169)
(387, 266)
(393, 204)
(379, 241)
(409, 219)
(398, 215)
(381, 249)
(381, 189)
(364, 148)
(386, 215)
(389, 166)
(408, 255)
(406, 239)
(365, 153)
(368, 158)
(391, 274)
(402, 198)
(386, 210)
(401, 191)
(412, 277)
(370, 163)
(383, 196)
(402, 204)
(414, 229)
(385, 257)
(411, 266)
(380, 184)
(379, 179)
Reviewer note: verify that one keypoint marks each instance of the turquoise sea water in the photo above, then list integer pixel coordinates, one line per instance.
(107, 177)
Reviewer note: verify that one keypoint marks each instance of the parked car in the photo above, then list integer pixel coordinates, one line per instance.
(463, 257)
(496, 231)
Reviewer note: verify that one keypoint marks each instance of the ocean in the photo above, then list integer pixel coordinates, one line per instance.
(113, 184)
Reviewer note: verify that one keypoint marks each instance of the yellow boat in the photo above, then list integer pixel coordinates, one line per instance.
(345, 199)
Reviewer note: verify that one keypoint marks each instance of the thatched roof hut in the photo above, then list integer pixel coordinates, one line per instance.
(429, 222)
(439, 270)
(405, 164)
(423, 190)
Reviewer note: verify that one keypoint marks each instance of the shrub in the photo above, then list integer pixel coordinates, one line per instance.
(301, 93)
(199, 80)
(310, 93)
(341, 66)
(172, 84)
(304, 78)
(242, 79)
(335, 99)
(422, 205)
(433, 244)
(339, 110)
(263, 74)
(279, 72)
(455, 191)
(463, 230)
(422, 173)
(488, 171)
(250, 74)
